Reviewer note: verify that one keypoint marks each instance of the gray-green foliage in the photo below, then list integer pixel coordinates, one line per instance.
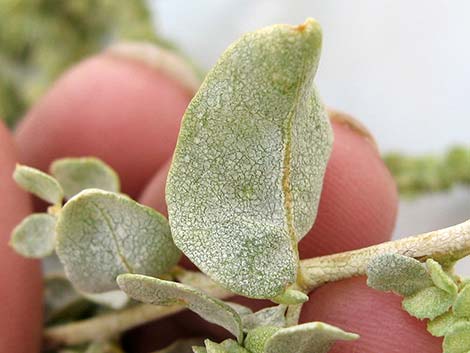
(39, 183)
(272, 316)
(102, 234)
(248, 167)
(438, 295)
(78, 174)
(155, 291)
(35, 236)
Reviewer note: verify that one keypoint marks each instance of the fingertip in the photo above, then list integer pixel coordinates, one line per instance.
(359, 200)
(376, 316)
(120, 110)
(21, 283)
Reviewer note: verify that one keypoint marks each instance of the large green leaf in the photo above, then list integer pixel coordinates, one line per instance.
(249, 164)
(77, 174)
(102, 234)
(156, 291)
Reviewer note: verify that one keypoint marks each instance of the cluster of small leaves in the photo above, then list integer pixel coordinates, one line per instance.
(31, 30)
(264, 331)
(430, 292)
(424, 174)
(98, 233)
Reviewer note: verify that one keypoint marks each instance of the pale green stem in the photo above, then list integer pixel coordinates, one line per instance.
(449, 242)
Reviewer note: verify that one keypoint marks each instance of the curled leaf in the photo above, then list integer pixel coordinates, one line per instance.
(272, 316)
(248, 168)
(35, 236)
(102, 234)
(313, 337)
(428, 303)
(78, 174)
(440, 278)
(155, 291)
(461, 306)
(400, 274)
(38, 183)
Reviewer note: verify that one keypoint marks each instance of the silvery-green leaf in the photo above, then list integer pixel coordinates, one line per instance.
(102, 234)
(78, 174)
(232, 346)
(155, 291)
(181, 346)
(400, 274)
(461, 306)
(428, 303)
(443, 324)
(248, 167)
(38, 183)
(291, 297)
(440, 278)
(458, 341)
(272, 316)
(61, 301)
(115, 299)
(313, 337)
(256, 339)
(34, 236)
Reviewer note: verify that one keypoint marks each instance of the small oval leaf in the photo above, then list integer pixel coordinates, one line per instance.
(78, 174)
(155, 291)
(400, 274)
(232, 346)
(248, 168)
(313, 337)
(35, 236)
(38, 183)
(102, 234)
(440, 278)
(428, 303)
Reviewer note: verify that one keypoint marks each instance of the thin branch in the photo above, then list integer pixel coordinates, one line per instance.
(452, 242)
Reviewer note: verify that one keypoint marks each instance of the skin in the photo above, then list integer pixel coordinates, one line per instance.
(87, 112)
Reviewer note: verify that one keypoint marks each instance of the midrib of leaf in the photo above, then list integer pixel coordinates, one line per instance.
(288, 199)
(116, 243)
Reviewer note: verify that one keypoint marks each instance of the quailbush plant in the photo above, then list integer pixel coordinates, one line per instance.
(242, 191)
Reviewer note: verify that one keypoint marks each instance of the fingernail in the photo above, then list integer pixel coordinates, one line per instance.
(354, 125)
(160, 59)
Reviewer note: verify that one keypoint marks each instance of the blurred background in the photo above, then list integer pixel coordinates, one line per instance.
(400, 67)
